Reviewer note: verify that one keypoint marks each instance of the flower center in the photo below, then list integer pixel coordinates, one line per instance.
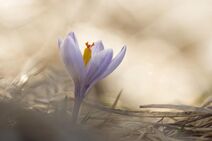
(87, 53)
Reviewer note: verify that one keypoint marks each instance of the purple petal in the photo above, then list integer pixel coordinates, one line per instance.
(115, 62)
(98, 64)
(72, 58)
(98, 46)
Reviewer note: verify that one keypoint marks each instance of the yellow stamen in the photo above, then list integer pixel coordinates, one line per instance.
(87, 53)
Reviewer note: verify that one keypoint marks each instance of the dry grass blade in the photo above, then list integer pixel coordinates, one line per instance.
(108, 117)
(178, 107)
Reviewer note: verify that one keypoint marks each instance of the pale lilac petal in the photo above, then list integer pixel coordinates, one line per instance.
(110, 68)
(115, 62)
(72, 59)
(72, 35)
(98, 46)
(98, 64)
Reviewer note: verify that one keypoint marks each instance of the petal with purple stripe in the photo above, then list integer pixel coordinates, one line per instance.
(98, 64)
(115, 62)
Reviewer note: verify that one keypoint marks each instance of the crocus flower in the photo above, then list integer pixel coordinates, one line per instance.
(87, 69)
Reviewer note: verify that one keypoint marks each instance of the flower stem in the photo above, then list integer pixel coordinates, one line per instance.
(76, 109)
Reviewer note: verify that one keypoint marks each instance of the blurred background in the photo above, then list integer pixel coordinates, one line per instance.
(169, 54)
